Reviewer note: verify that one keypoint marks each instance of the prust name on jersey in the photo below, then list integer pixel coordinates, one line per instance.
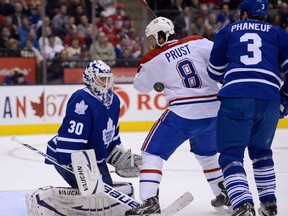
(177, 52)
(251, 26)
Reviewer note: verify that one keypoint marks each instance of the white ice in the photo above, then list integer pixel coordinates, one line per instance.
(23, 171)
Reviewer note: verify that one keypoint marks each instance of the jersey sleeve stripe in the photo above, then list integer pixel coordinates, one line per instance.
(284, 63)
(68, 151)
(235, 70)
(251, 80)
(222, 67)
(190, 99)
(72, 140)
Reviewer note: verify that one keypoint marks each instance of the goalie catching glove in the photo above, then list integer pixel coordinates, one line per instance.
(126, 164)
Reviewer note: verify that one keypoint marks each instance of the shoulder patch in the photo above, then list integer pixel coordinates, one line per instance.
(80, 108)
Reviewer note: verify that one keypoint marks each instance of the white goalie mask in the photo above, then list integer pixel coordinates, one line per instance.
(157, 25)
(98, 77)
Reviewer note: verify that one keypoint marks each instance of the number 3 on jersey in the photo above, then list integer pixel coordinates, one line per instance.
(253, 47)
(76, 127)
(188, 74)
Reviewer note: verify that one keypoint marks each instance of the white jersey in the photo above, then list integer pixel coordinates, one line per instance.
(182, 67)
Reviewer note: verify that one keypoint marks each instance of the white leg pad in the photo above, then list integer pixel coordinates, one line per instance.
(55, 201)
(87, 174)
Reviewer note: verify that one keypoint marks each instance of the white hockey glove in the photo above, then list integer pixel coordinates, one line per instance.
(126, 164)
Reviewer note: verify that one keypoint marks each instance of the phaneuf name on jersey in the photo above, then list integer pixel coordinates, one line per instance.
(177, 52)
(251, 26)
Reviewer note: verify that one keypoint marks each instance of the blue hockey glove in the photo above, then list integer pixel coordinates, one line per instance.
(284, 105)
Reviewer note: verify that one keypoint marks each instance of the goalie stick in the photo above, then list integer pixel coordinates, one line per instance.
(116, 195)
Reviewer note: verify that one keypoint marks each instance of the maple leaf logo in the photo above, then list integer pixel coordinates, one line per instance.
(38, 107)
(80, 108)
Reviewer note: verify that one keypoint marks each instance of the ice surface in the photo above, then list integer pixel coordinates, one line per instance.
(23, 171)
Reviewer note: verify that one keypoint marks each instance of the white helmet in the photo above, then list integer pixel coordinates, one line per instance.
(99, 78)
(160, 24)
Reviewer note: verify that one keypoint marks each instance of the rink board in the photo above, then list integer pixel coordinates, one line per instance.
(40, 109)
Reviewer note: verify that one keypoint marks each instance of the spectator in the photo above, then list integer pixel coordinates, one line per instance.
(84, 23)
(127, 24)
(47, 23)
(73, 33)
(55, 72)
(60, 19)
(4, 37)
(224, 17)
(6, 8)
(48, 32)
(35, 19)
(103, 49)
(15, 78)
(182, 23)
(205, 11)
(12, 28)
(23, 31)
(52, 49)
(13, 48)
(19, 13)
(208, 32)
(74, 50)
(70, 23)
(89, 35)
(126, 60)
(197, 28)
(195, 9)
(283, 11)
(108, 27)
(30, 51)
(213, 22)
(109, 6)
(85, 58)
(118, 16)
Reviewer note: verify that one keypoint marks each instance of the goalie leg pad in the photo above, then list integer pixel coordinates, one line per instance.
(55, 201)
(86, 171)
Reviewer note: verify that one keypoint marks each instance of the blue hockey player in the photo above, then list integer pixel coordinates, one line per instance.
(91, 123)
(246, 55)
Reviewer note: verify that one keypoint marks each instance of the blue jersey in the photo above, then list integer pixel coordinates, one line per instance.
(88, 124)
(247, 55)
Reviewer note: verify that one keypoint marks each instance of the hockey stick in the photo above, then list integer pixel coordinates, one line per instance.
(108, 190)
(146, 6)
(116, 195)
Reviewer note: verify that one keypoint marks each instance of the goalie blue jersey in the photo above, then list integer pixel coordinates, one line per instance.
(247, 55)
(86, 125)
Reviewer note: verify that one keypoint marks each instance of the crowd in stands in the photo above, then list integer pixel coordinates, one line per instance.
(69, 30)
(206, 17)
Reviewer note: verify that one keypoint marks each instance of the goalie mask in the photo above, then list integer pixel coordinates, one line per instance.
(157, 25)
(98, 77)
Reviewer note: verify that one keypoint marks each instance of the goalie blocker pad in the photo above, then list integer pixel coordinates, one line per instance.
(55, 201)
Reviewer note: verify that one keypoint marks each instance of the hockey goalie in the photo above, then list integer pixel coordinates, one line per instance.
(87, 140)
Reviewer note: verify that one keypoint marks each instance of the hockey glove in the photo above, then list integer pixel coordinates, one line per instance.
(126, 164)
(284, 104)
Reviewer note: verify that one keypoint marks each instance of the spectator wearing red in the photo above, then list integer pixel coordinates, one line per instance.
(119, 15)
(73, 33)
(108, 27)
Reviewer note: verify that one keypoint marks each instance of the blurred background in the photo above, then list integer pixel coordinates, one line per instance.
(46, 44)
(50, 42)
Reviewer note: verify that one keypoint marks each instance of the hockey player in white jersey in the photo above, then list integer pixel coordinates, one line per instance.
(180, 66)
